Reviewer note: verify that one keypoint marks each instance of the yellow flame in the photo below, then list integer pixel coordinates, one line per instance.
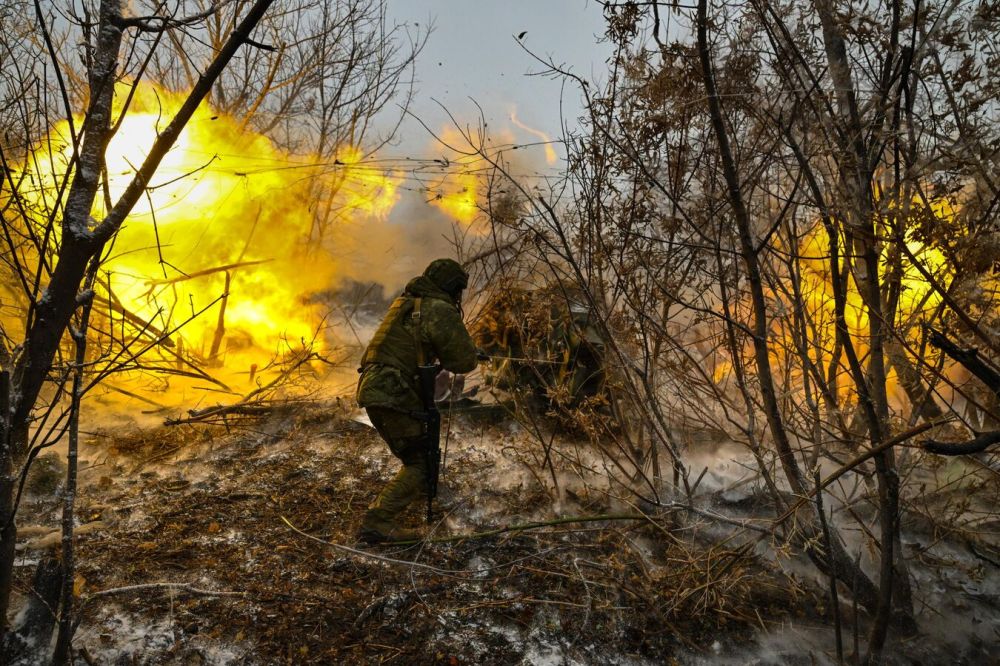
(457, 197)
(223, 196)
(366, 189)
(456, 192)
(917, 299)
(550, 153)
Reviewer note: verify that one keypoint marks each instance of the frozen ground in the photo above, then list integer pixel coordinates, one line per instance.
(202, 511)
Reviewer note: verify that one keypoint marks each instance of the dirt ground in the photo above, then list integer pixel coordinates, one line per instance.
(186, 527)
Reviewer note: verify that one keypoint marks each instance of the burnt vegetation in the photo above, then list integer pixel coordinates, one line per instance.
(745, 353)
(584, 586)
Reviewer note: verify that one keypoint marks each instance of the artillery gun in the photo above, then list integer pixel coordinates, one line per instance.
(543, 343)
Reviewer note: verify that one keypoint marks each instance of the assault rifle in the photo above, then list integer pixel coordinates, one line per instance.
(426, 375)
(426, 386)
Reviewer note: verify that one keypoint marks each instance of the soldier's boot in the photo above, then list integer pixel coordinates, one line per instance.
(380, 522)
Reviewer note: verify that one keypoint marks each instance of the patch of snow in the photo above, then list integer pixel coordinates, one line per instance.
(119, 636)
(789, 644)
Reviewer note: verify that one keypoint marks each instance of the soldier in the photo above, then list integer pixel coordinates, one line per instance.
(423, 324)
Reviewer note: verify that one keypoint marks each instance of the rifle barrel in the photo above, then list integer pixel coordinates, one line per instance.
(526, 360)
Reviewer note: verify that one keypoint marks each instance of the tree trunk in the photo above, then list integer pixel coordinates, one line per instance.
(920, 398)
(8, 486)
(836, 562)
(29, 640)
(8, 538)
(81, 239)
(855, 169)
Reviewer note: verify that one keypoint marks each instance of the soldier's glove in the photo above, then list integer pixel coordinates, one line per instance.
(481, 354)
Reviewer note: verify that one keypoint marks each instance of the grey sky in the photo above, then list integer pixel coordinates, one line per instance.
(473, 53)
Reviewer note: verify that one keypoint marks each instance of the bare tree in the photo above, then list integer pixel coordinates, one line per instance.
(53, 285)
(762, 214)
(329, 70)
(313, 76)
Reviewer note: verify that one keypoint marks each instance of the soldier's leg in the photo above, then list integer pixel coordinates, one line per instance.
(403, 434)
(408, 485)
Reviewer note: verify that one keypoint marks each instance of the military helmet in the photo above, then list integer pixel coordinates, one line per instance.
(447, 274)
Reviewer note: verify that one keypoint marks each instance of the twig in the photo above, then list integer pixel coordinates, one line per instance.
(972, 547)
(135, 396)
(453, 573)
(975, 445)
(244, 409)
(834, 598)
(867, 455)
(529, 526)
(207, 271)
(367, 555)
(149, 587)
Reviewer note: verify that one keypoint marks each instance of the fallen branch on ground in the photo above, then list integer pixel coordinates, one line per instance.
(529, 526)
(239, 409)
(464, 537)
(148, 587)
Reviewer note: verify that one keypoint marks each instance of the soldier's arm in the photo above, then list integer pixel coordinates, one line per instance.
(450, 339)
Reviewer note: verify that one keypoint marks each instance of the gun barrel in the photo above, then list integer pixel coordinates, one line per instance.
(520, 359)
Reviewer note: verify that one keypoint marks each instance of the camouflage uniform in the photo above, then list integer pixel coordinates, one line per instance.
(388, 386)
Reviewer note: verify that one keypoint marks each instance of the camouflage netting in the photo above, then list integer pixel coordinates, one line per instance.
(543, 342)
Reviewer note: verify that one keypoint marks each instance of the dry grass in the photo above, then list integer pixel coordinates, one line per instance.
(209, 518)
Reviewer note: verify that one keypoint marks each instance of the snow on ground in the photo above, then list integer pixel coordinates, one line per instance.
(204, 507)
